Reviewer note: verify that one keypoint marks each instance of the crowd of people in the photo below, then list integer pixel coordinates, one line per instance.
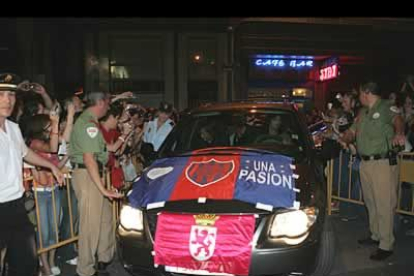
(373, 128)
(79, 137)
(92, 133)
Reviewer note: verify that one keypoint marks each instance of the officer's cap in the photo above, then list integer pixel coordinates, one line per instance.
(165, 107)
(9, 82)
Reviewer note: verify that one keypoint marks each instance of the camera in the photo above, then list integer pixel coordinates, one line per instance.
(26, 86)
(392, 158)
(392, 155)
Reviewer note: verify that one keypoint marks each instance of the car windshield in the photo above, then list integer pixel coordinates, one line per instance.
(262, 129)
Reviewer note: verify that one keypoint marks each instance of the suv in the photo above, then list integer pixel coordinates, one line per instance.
(236, 189)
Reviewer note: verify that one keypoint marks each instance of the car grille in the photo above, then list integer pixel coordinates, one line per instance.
(152, 222)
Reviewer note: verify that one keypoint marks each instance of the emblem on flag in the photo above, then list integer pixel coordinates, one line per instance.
(203, 237)
(205, 173)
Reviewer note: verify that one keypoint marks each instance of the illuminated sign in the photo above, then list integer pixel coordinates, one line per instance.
(329, 72)
(283, 63)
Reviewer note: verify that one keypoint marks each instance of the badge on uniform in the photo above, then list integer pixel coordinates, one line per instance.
(376, 115)
(395, 109)
(92, 131)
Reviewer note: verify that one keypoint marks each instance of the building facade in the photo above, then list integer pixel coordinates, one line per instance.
(190, 61)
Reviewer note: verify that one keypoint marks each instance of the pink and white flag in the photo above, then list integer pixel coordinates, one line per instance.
(205, 242)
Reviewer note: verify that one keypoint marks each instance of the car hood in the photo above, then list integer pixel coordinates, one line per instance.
(266, 180)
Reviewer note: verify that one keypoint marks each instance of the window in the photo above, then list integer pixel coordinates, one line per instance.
(272, 130)
(136, 64)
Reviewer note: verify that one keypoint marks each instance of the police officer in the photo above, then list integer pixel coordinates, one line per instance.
(88, 154)
(157, 130)
(377, 129)
(16, 231)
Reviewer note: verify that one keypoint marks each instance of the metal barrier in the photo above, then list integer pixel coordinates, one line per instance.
(406, 163)
(73, 236)
(406, 175)
(59, 243)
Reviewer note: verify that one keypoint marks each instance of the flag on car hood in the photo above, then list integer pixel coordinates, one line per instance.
(250, 177)
(204, 242)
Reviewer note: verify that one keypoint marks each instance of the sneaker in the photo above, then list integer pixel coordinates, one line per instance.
(73, 261)
(55, 270)
(335, 206)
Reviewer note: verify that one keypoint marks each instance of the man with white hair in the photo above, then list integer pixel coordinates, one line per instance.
(88, 155)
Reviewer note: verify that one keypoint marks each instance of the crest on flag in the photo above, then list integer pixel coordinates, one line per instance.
(204, 173)
(203, 237)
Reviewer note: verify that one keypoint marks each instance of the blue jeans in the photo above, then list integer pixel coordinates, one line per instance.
(68, 252)
(47, 217)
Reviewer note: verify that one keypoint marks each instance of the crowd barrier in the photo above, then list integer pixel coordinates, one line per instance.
(343, 182)
(36, 215)
(342, 185)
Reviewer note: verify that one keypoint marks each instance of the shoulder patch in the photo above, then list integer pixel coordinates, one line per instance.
(92, 131)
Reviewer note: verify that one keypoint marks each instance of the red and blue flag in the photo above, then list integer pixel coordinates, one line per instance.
(250, 177)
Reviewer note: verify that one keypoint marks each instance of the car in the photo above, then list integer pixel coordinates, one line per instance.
(235, 189)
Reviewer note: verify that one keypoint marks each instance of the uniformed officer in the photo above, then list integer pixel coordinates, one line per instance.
(377, 129)
(16, 231)
(88, 154)
(157, 130)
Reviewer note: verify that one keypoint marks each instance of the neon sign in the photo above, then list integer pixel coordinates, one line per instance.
(329, 72)
(281, 63)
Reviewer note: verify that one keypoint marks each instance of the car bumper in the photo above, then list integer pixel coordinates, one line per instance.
(136, 257)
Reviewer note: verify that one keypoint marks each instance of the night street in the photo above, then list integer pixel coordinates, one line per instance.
(228, 145)
(351, 259)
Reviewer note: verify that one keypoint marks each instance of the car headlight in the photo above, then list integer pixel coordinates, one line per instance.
(131, 218)
(293, 225)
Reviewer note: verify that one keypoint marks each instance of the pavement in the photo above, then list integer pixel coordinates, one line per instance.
(351, 259)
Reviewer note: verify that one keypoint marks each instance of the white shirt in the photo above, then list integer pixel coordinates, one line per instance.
(63, 150)
(154, 136)
(12, 151)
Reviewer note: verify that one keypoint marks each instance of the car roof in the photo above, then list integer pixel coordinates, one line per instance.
(245, 104)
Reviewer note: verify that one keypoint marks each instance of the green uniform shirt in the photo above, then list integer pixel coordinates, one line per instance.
(374, 128)
(86, 137)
